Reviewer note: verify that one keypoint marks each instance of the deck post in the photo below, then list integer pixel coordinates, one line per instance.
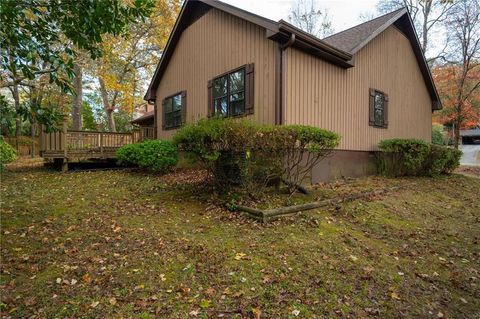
(65, 165)
(101, 144)
(42, 140)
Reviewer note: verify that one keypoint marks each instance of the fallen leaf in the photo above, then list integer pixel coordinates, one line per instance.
(112, 301)
(240, 256)
(395, 296)
(86, 278)
(257, 313)
(94, 304)
(210, 292)
(194, 313)
(30, 302)
(205, 303)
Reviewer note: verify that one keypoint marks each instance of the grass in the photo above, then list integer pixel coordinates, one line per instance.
(124, 244)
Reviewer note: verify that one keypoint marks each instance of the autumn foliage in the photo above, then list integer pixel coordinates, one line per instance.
(446, 79)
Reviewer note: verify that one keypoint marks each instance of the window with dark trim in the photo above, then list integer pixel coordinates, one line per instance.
(174, 110)
(378, 112)
(231, 94)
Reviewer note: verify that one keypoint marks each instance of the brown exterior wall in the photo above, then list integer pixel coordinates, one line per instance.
(340, 164)
(320, 94)
(214, 44)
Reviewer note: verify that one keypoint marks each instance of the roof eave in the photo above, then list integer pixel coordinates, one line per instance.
(310, 44)
(424, 68)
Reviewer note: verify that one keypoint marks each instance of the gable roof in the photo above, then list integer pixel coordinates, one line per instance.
(353, 39)
(337, 49)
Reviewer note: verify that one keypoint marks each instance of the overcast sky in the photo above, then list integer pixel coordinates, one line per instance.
(343, 13)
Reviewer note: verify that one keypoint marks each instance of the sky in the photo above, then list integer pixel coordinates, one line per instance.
(343, 13)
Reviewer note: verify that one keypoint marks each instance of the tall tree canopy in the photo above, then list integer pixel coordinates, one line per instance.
(38, 33)
(129, 60)
(458, 79)
(308, 16)
(40, 38)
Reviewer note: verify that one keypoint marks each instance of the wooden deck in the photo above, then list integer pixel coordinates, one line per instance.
(67, 145)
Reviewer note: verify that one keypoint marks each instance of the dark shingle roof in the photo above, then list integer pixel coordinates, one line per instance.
(351, 40)
(145, 116)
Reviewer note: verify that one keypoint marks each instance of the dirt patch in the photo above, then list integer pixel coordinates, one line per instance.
(470, 170)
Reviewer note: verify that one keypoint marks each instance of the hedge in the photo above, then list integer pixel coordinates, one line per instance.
(412, 157)
(238, 151)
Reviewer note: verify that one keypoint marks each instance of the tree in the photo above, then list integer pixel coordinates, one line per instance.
(129, 60)
(427, 16)
(307, 16)
(77, 105)
(7, 116)
(458, 80)
(89, 121)
(37, 36)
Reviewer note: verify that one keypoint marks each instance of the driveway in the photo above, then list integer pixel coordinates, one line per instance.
(471, 155)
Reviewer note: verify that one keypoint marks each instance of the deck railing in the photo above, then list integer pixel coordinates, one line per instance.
(69, 143)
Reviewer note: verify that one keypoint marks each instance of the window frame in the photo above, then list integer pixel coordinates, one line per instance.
(372, 120)
(178, 113)
(228, 93)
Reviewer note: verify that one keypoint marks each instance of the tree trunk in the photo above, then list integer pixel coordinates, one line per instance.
(78, 99)
(16, 98)
(456, 133)
(32, 134)
(106, 105)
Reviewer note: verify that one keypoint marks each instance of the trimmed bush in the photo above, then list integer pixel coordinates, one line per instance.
(442, 160)
(156, 155)
(7, 153)
(240, 152)
(410, 157)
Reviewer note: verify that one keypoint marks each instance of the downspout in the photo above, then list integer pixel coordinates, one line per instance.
(279, 107)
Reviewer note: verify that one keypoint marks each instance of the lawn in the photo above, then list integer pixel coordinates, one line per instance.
(125, 244)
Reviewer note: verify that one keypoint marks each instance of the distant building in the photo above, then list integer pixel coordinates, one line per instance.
(470, 136)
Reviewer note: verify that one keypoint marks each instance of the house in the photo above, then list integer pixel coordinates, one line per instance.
(368, 83)
(145, 123)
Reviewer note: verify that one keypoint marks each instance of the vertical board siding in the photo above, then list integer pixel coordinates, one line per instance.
(214, 44)
(321, 94)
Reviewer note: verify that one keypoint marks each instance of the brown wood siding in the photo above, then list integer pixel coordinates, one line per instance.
(214, 44)
(320, 94)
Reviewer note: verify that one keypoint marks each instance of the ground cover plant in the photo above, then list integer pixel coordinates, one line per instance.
(126, 244)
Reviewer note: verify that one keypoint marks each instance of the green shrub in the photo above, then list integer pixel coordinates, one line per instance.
(441, 160)
(127, 154)
(155, 155)
(404, 157)
(240, 152)
(7, 153)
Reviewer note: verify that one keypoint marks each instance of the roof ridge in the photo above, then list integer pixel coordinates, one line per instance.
(368, 21)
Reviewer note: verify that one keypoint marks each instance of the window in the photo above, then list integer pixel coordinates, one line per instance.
(174, 108)
(378, 109)
(231, 94)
